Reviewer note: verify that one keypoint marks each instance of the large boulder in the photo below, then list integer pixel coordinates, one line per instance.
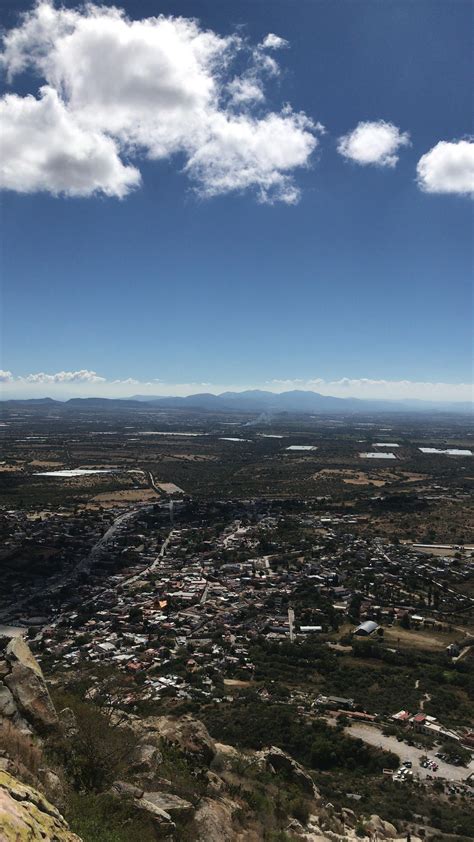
(379, 827)
(145, 760)
(31, 696)
(188, 734)
(278, 760)
(214, 820)
(25, 814)
(225, 757)
(136, 797)
(23, 689)
(68, 723)
(175, 806)
(18, 650)
(7, 702)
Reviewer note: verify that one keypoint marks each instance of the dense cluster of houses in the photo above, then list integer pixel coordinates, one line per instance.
(174, 597)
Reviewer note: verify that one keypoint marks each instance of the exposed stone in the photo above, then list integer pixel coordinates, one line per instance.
(68, 722)
(189, 734)
(294, 826)
(380, 827)
(280, 761)
(7, 702)
(349, 817)
(215, 784)
(7, 765)
(160, 817)
(25, 814)
(52, 785)
(31, 695)
(175, 806)
(141, 801)
(126, 790)
(224, 757)
(214, 820)
(21, 725)
(18, 650)
(145, 759)
(4, 668)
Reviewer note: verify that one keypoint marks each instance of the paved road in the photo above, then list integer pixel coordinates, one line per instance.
(374, 737)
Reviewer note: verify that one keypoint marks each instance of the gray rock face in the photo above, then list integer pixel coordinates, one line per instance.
(161, 807)
(145, 760)
(379, 827)
(24, 697)
(280, 761)
(214, 820)
(175, 806)
(188, 734)
(7, 702)
(53, 786)
(126, 790)
(31, 696)
(68, 722)
(160, 817)
(19, 651)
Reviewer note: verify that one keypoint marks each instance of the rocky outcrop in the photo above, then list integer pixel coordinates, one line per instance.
(68, 723)
(145, 760)
(376, 826)
(7, 702)
(24, 697)
(175, 806)
(330, 826)
(214, 820)
(161, 807)
(27, 816)
(278, 760)
(188, 734)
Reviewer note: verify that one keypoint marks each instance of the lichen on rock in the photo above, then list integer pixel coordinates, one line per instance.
(27, 816)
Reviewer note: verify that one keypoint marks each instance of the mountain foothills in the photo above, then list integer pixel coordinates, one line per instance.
(255, 400)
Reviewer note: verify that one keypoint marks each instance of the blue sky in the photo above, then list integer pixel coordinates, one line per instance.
(339, 275)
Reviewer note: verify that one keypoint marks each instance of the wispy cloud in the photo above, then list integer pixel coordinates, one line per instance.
(114, 89)
(365, 387)
(373, 143)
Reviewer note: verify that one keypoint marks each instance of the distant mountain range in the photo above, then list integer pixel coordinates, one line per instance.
(256, 401)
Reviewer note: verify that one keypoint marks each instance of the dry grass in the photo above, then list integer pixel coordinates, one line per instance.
(419, 638)
(115, 498)
(20, 748)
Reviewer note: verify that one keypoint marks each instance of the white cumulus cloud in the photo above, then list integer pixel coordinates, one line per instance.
(273, 42)
(242, 152)
(447, 168)
(5, 376)
(373, 143)
(82, 376)
(114, 89)
(43, 147)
